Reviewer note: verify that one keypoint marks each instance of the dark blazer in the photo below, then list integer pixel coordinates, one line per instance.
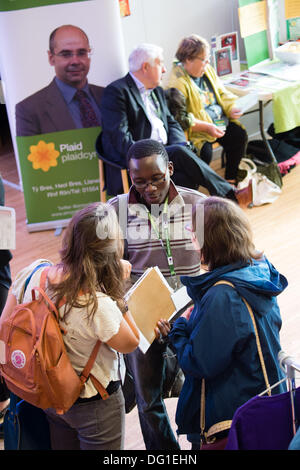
(46, 111)
(124, 119)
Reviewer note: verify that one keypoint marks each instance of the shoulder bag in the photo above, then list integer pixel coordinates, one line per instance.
(266, 185)
(209, 440)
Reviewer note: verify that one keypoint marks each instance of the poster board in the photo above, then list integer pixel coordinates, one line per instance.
(292, 16)
(219, 46)
(61, 174)
(293, 29)
(222, 61)
(253, 27)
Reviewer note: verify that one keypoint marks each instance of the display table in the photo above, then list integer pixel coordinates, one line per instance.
(284, 94)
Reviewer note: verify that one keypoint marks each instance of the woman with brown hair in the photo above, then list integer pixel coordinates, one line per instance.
(216, 340)
(211, 108)
(89, 280)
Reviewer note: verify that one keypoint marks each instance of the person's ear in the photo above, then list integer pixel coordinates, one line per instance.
(50, 58)
(145, 67)
(171, 168)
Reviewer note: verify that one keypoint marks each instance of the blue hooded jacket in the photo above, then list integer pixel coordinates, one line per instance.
(218, 343)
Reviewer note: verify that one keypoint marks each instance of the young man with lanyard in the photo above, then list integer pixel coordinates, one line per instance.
(153, 216)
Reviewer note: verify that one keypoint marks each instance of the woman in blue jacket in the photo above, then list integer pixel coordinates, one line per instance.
(217, 341)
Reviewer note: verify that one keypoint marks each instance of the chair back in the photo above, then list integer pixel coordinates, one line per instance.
(104, 161)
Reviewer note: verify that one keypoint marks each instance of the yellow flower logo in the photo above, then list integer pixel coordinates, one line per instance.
(43, 155)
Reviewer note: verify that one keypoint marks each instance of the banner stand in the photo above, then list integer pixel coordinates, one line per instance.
(58, 171)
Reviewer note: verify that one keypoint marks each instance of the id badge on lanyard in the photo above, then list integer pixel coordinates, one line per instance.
(167, 247)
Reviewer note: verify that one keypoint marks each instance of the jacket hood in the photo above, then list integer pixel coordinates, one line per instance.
(258, 283)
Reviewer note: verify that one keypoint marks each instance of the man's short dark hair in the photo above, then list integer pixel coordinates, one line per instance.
(146, 148)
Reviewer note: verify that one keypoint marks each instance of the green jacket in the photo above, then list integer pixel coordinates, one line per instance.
(181, 80)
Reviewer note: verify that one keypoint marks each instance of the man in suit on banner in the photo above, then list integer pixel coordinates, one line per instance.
(69, 101)
(134, 108)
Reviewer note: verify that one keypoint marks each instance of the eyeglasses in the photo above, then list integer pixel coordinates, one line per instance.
(81, 54)
(204, 61)
(156, 181)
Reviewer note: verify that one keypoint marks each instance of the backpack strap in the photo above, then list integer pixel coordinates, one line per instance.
(85, 374)
(260, 354)
(41, 290)
(43, 277)
(35, 269)
(98, 386)
(224, 425)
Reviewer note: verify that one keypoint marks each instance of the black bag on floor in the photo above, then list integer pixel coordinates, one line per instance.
(281, 150)
(291, 137)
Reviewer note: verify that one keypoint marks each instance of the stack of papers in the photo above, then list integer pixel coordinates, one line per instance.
(255, 83)
(150, 299)
(246, 102)
(281, 70)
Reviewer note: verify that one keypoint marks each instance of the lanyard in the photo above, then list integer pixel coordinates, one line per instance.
(167, 248)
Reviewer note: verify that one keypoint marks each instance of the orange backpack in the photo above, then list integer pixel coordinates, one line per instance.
(37, 367)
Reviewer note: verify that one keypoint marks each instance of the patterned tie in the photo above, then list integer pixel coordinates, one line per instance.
(87, 113)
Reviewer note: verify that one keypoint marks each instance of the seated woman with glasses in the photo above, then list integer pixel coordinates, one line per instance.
(215, 341)
(210, 107)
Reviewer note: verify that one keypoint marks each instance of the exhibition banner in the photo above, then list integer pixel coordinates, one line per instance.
(49, 49)
(22, 4)
(61, 173)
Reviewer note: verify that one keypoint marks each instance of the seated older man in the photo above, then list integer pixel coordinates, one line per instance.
(134, 108)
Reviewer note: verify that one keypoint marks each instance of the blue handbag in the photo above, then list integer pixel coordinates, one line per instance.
(25, 427)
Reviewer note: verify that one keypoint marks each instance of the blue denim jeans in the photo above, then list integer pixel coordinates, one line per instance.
(148, 371)
(93, 425)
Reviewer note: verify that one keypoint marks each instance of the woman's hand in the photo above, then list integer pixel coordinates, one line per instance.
(162, 329)
(235, 113)
(126, 268)
(209, 128)
(214, 131)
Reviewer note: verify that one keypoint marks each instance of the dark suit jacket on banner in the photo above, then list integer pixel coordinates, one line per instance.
(46, 111)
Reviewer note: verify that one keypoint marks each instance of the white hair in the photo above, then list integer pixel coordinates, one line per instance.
(144, 53)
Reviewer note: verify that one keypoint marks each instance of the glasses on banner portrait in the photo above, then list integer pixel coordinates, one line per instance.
(80, 54)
